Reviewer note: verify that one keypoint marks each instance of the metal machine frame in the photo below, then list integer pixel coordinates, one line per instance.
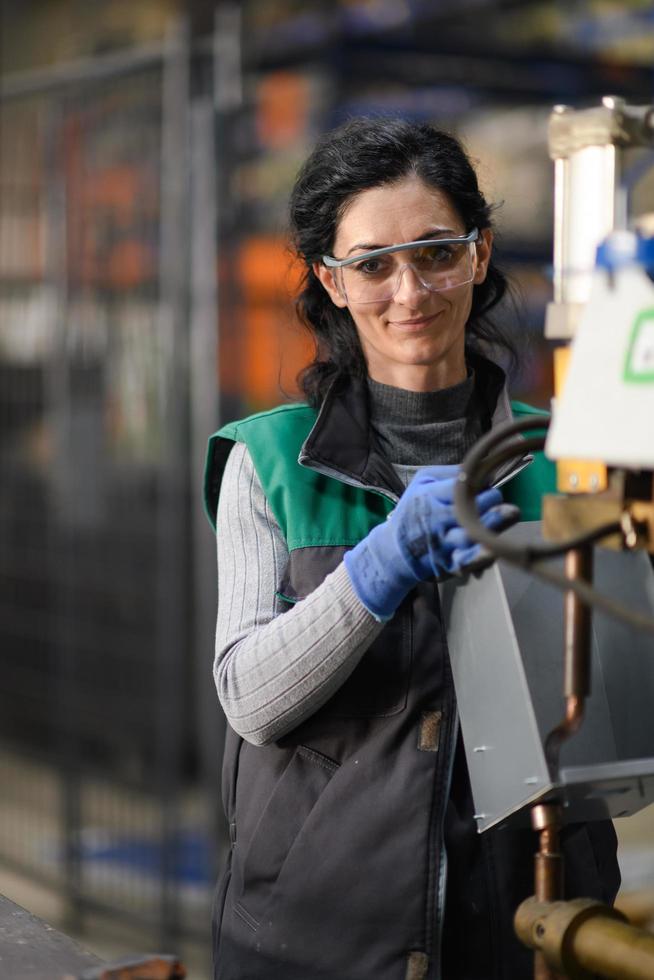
(524, 763)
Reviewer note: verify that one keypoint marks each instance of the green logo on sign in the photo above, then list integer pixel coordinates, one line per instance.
(639, 363)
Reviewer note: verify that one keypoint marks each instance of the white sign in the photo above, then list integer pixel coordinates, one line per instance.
(606, 409)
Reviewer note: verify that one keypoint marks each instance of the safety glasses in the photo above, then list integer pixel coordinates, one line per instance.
(375, 276)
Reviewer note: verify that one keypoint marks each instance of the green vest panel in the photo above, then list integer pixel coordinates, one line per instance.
(312, 510)
(526, 490)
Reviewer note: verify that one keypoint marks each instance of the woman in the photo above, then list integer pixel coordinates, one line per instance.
(354, 848)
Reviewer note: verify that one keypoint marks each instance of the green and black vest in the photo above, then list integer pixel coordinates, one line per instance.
(323, 507)
(338, 866)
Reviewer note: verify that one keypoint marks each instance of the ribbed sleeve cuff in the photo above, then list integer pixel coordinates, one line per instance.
(346, 592)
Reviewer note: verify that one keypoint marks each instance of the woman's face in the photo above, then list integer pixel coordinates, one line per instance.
(414, 340)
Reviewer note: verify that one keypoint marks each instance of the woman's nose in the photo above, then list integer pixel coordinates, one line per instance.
(409, 287)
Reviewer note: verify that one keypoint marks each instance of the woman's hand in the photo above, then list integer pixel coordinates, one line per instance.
(420, 540)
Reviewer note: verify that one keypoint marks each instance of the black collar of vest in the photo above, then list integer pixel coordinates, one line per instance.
(490, 381)
(343, 440)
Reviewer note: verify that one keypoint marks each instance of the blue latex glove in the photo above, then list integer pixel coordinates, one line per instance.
(421, 540)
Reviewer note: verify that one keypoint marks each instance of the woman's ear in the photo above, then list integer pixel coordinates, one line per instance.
(484, 249)
(328, 280)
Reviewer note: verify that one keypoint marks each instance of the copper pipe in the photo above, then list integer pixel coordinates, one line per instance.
(546, 818)
(574, 714)
(577, 626)
(548, 867)
(577, 655)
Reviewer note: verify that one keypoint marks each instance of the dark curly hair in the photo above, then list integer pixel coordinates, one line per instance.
(365, 153)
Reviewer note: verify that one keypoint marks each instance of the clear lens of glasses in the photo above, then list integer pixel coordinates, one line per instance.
(437, 267)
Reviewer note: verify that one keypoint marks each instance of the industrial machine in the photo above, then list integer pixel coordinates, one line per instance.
(557, 716)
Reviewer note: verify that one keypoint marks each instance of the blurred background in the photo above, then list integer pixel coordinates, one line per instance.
(146, 154)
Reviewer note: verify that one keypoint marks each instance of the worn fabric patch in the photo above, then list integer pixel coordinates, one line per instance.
(430, 731)
(417, 966)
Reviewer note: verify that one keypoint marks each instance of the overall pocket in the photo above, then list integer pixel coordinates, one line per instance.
(283, 816)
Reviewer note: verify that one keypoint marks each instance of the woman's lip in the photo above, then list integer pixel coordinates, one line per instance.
(416, 322)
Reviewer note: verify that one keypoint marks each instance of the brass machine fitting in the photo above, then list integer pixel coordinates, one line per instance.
(583, 938)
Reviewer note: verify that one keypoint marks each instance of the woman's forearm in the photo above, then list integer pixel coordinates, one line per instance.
(273, 671)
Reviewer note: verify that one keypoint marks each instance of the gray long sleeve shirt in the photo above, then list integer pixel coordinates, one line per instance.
(273, 671)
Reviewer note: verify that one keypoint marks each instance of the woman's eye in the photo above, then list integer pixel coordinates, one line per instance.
(371, 267)
(435, 255)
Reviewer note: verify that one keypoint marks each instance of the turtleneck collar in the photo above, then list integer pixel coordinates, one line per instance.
(421, 428)
(389, 404)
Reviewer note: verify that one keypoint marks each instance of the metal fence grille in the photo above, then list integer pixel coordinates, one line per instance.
(100, 746)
